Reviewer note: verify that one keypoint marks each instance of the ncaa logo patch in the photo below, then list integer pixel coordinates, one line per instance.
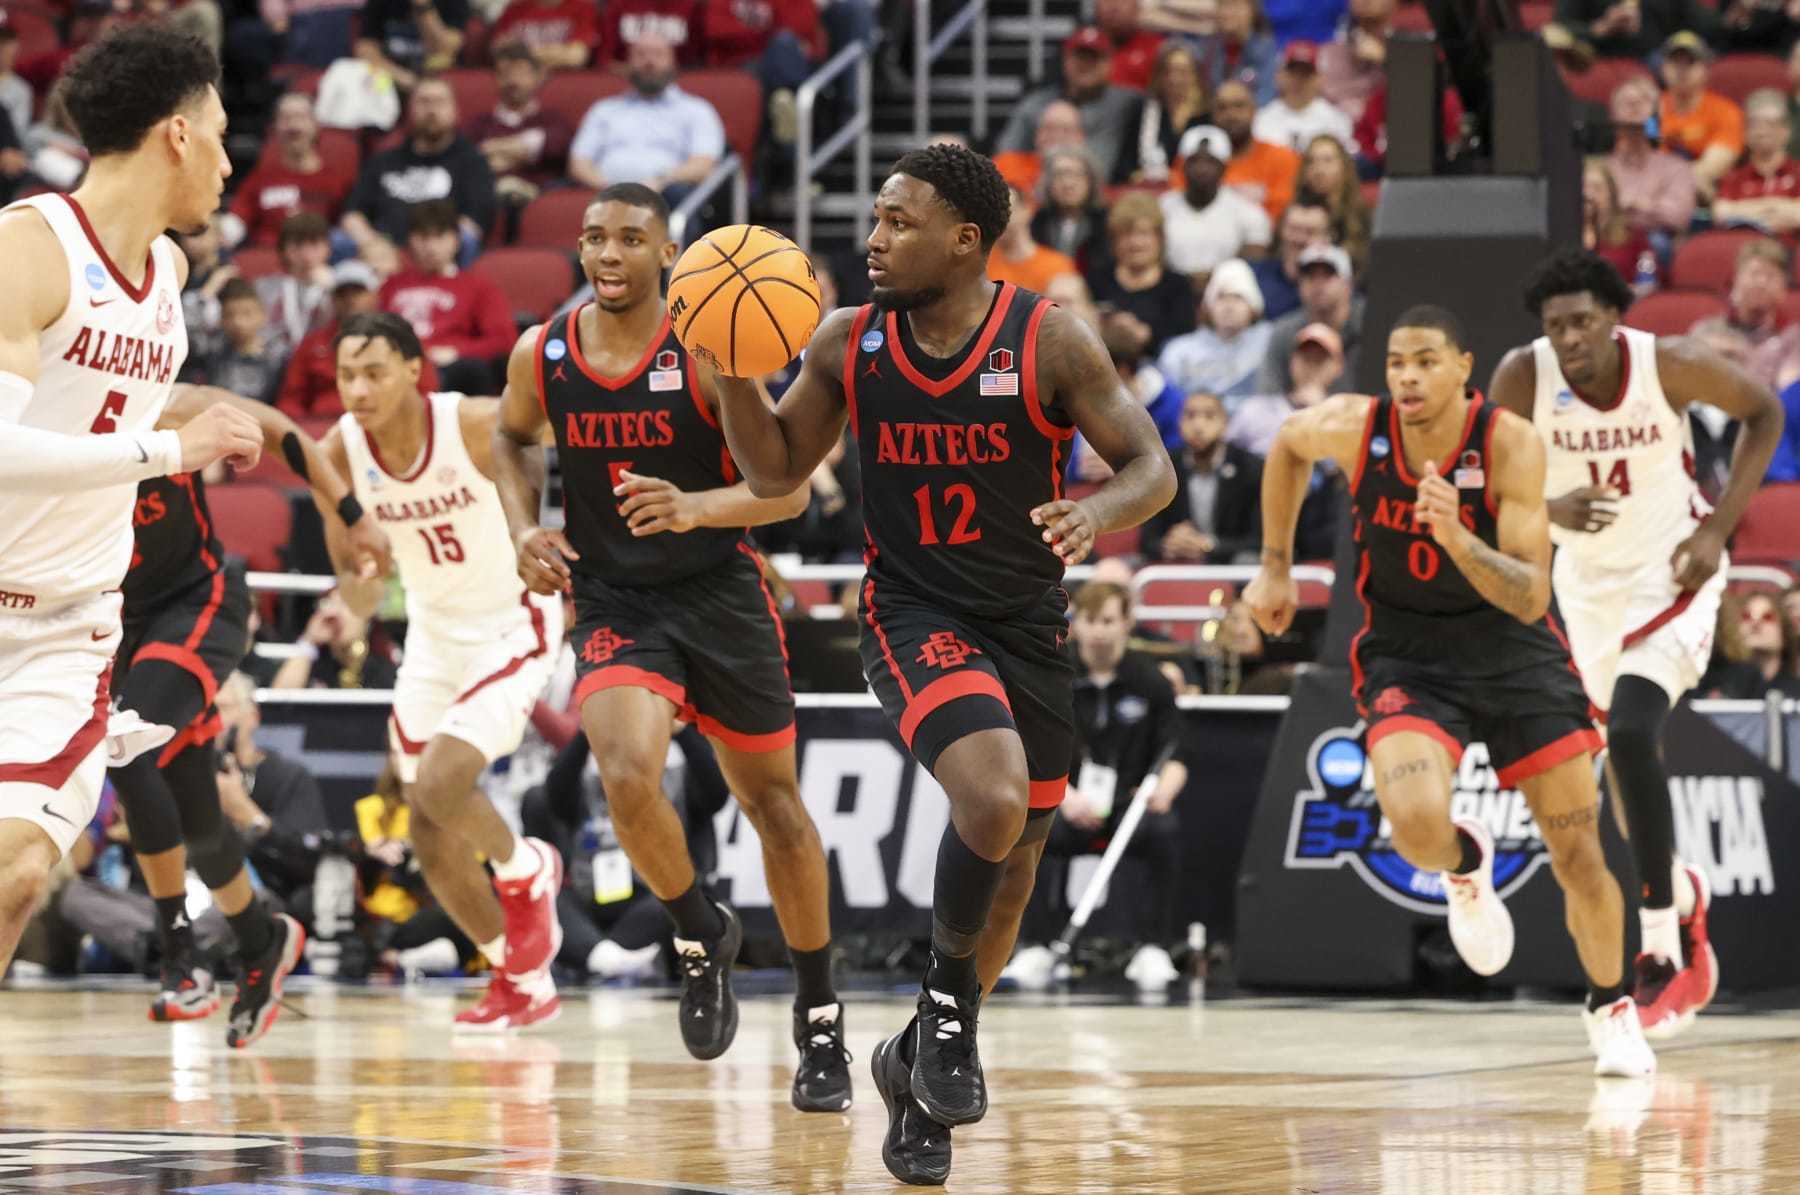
(1564, 397)
(1379, 447)
(1339, 824)
(871, 341)
(96, 277)
(556, 350)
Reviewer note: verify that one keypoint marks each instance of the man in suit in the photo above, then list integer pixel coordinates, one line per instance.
(1215, 516)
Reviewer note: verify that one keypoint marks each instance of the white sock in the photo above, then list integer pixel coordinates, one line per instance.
(823, 1012)
(522, 864)
(1685, 896)
(1659, 936)
(439, 954)
(495, 950)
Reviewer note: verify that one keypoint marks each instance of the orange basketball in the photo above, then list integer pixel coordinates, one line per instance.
(744, 300)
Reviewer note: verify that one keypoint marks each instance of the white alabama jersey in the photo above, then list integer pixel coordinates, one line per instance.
(107, 364)
(447, 528)
(1640, 447)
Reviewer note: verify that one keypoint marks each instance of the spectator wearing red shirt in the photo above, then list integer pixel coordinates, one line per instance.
(563, 33)
(463, 320)
(526, 145)
(1134, 47)
(778, 41)
(293, 176)
(1604, 229)
(309, 388)
(622, 22)
(1764, 188)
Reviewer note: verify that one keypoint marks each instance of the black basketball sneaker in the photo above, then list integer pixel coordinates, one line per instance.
(822, 1081)
(259, 988)
(709, 1011)
(916, 1149)
(946, 1070)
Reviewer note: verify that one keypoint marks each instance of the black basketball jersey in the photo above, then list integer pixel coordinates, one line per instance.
(176, 546)
(955, 454)
(1417, 603)
(651, 421)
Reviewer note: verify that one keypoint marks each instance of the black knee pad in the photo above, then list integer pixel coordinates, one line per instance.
(220, 860)
(150, 808)
(1037, 826)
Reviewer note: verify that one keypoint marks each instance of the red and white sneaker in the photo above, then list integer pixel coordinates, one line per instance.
(533, 933)
(1668, 998)
(1617, 1038)
(511, 1003)
(188, 993)
(1480, 925)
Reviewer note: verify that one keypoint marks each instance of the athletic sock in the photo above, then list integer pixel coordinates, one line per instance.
(1599, 997)
(695, 916)
(173, 928)
(812, 978)
(522, 864)
(253, 928)
(494, 951)
(1471, 853)
(1660, 936)
(947, 973)
(1686, 899)
(962, 895)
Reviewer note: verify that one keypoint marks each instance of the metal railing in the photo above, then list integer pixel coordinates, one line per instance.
(1034, 48)
(808, 160)
(928, 49)
(729, 170)
(1224, 574)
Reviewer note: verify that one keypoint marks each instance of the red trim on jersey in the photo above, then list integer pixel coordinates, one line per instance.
(424, 459)
(1576, 742)
(1048, 794)
(1673, 611)
(774, 610)
(1411, 724)
(619, 676)
(137, 294)
(198, 733)
(184, 658)
(851, 348)
(693, 389)
(887, 653)
(937, 389)
(1449, 464)
(1487, 464)
(1028, 371)
(1362, 458)
(624, 379)
(1356, 668)
(970, 682)
(203, 623)
(537, 362)
(1624, 376)
(517, 662)
(738, 740)
(186, 481)
(407, 746)
(55, 771)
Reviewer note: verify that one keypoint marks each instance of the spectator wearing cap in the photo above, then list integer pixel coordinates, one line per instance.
(1109, 114)
(1134, 47)
(1299, 113)
(409, 39)
(1316, 369)
(655, 134)
(526, 144)
(1326, 298)
(1632, 28)
(1135, 283)
(1702, 125)
(1656, 188)
(1018, 258)
(1765, 188)
(16, 97)
(1216, 514)
(562, 34)
(1223, 354)
(1264, 174)
(1179, 98)
(309, 386)
(1058, 127)
(1244, 50)
(298, 299)
(292, 176)
(1353, 65)
(1306, 222)
(1206, 223)
(463, 320)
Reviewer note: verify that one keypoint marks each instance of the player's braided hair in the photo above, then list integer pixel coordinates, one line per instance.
(966, 182)
(1572, 271)
(118, 88)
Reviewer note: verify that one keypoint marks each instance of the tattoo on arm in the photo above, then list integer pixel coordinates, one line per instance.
(1568, 821)
(1505, 581)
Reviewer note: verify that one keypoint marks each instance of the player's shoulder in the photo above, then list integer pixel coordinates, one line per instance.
(1682, 354)
(1345, 412)
(830, 342)
(1517, 442)
(33, 250)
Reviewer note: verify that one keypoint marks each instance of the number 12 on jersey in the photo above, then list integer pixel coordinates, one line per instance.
(961, 497)
(1618, 477)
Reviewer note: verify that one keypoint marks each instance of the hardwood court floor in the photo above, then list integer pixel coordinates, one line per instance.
(370, 1092)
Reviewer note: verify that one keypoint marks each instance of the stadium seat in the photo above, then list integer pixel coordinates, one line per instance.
(253, 521)
(1706, 260)
(1769, 532)
(256, 261)
(1597, 83)
(1673, 312)
(572, 93)
(738, 97)
(37, 32)
(305, 80)
(553, 219)
(1412, 18)
(341, 148)
(1534, 14)
(475, 90)
(1790, 308)
(1737, 75)
(535, 280)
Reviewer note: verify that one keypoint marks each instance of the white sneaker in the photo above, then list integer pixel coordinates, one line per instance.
(1480, 925)
(1031, 968)
(1620, 1051)
(129, 736)
(1151, 968)
(610, 960)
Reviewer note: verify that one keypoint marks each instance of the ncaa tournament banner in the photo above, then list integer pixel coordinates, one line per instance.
(1325, 901)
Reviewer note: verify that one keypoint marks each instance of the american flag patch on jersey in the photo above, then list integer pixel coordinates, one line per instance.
(997, 384)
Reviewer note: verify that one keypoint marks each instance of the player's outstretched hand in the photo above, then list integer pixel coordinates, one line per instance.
(370, 548)
(543, 557)
(1068, 529)
(1272, 597)
(651, 505)
(220, 433)
(1697, 558)
(1590, 508)
(1438, 507)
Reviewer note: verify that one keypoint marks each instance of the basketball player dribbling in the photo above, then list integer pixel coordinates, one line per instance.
(91, 337)
(1640, 566)
(479, 651)
(1458, 643)
(962, 395)
(673, 618)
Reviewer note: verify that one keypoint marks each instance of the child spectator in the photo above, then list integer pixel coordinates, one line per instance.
(463, 320)
(250, 361)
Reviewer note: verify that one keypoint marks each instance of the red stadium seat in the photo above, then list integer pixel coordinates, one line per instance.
(738, 97)
(1790, 308)
(256, 261)
(37, 32)
(572, 93)
(1597, 83)
(553, 219)
(341, 148)
(1412, 18)
(1534, 14)
(253, 521)
(305, 80)
(475, 90)
(1706, 260)
(1737, 75)
(535, 280)
(1673, 312)
(1769, 532)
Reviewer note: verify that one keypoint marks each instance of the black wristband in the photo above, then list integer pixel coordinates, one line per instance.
(349, 510)
(296, 455)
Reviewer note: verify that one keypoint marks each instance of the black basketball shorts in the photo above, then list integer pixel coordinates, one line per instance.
(174, 657)
(711, 643)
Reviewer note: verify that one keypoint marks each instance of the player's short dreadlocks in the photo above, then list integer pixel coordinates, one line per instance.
(1572, 271)
(967, 183)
